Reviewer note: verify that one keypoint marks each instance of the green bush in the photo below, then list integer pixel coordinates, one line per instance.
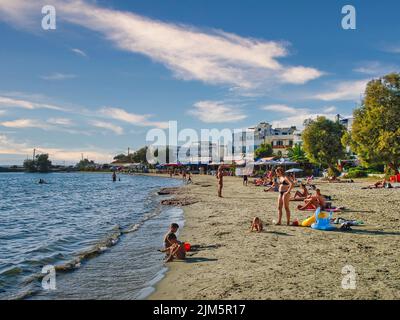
(356, 173)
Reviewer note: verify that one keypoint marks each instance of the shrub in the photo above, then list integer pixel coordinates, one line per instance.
(356, 173)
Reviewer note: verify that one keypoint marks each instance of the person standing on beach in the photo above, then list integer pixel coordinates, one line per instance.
(245, 180)
(285, 186)
(189, 178)
(220, 178)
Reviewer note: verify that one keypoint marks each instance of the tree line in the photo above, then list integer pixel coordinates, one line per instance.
(375, 132)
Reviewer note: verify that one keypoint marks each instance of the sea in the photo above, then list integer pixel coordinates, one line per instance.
(82, 236)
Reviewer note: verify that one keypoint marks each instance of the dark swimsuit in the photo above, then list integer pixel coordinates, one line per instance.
(285, 184)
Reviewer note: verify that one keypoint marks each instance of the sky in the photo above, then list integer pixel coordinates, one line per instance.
(113, 70)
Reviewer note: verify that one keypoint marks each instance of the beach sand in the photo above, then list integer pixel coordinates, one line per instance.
(284, 262)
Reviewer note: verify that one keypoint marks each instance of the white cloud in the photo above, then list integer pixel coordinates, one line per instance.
(11, 102)
(211, 56)
(296, 116)
(392, 48)
(58, 76)
(298, 120)
(281, 108)
(376, 68)
(344, 91)
(79, 52)
(60, 121)
(330, 109)
(10, 147)
(300, 75)
(24, 123)
(132, 118)
(109, 126)
(216, 112)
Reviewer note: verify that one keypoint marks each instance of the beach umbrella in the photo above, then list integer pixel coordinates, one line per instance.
(294, 170)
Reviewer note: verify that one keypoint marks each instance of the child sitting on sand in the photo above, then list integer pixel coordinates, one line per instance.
(176, 250)
(256, 225)
(173, 228)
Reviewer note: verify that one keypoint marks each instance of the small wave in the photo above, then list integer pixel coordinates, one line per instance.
(23, 295)
(12, 271)
(98, 248)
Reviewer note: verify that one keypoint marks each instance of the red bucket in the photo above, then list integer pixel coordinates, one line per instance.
(187, 246)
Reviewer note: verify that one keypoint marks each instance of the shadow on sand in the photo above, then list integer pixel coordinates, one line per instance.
(373, 233)
(199, 259)
(278, 233)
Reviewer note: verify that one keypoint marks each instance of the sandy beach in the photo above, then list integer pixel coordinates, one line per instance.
(284, 262)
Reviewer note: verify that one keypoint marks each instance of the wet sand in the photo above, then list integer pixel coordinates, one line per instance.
(284, 262)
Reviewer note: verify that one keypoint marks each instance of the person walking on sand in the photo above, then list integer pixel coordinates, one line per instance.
(285, 186)
(220, 178)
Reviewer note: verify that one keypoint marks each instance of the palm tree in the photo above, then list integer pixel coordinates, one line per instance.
(296, 153)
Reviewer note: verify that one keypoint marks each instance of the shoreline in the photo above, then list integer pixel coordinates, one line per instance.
(87, 258)
(283, 262)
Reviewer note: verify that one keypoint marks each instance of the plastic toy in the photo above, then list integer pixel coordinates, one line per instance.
(187, 246)
(322, 223)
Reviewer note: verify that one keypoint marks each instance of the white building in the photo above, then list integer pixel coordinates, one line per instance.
(281, 139)
(203, 152)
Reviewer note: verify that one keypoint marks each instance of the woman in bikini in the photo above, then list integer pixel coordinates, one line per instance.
(285, 186)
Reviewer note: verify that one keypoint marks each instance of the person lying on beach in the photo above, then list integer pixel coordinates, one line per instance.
(256, 225)
(314, 201)
(301, 195)
(377, 185)
(176, 250)
(173, 228)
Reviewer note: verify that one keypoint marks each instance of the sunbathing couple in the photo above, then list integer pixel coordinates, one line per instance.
(313, 201)
(172, 247)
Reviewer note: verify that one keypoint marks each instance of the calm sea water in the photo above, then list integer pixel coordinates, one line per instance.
(101, 236)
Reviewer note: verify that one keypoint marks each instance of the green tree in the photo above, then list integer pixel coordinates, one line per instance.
(140, 156)
(162, 153)
(264, 151)
(30, 165)
(120, 158)
(296, 153)
(85, 164)
(322, 142)
(43, 163)
(375, 134)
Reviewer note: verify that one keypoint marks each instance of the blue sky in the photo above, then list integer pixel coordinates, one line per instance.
(112, 70)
